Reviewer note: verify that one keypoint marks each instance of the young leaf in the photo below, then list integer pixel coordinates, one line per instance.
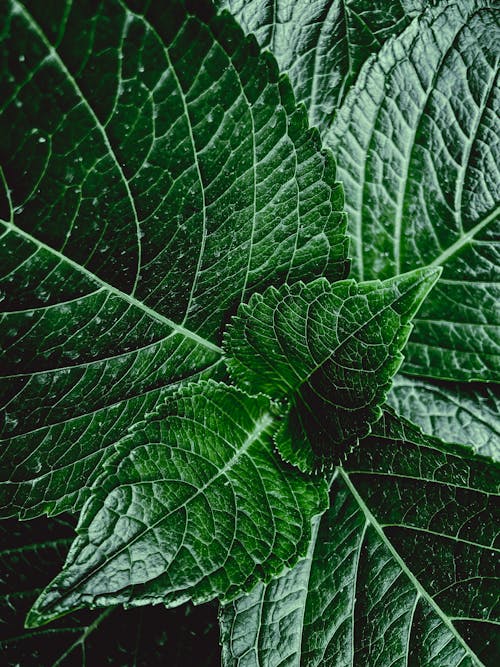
(195, 505)
(332, 350)
(415, 140)
(152, 637)
(453, 412)
(401, 569)
(156, 171)
(322, 44)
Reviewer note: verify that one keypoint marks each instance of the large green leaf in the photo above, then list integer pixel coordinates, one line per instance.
(195, 505)
(331, 350)
(322, 44)
(416, 144)
(454, 412)
(402, 569)
(147, 637)
(156, 171)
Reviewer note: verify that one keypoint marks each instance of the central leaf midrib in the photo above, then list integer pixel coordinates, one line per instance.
(259, 428)
(187, 333)
(395, 555)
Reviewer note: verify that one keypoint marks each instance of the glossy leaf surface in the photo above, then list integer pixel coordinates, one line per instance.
(418, 155)
(156, 171)
(196, 505)
(322, 44)
(402, 569)
(331, 350)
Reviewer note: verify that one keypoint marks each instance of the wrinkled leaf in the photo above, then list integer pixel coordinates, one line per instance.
(417, 150)
(322, 44)
(453, 412)
(196, 505)
(331, 350)
(401, 570)
(156, 171)
(144, 637)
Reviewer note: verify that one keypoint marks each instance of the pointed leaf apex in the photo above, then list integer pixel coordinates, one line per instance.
(35, 619)
(47, 608)
(414, 286)
(426, 274)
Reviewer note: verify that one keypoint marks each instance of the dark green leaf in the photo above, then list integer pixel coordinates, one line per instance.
(147, 637)
(402, 569)
(196, 505)
(416, 144)
(464, 413)
(156, 172)
(331, 350)
(322, 44)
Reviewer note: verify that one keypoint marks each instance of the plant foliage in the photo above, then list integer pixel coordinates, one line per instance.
(188, 369)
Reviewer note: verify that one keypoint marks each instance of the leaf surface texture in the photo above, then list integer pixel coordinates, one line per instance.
(139, 207)
(331, 350)
(322, 44)
(196, 505)
(454, 412)
(418, 153)
(401, 570)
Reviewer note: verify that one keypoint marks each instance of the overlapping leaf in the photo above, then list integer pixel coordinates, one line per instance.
(416, 141)
(155, 173)
(195, 505)
(453, 412)
(402, 570)
(30, 552)
(331, 350)
(322, 44)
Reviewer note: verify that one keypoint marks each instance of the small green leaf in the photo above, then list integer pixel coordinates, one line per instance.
(416, 145)
(401, 569)
(195, 505)
(331, 350)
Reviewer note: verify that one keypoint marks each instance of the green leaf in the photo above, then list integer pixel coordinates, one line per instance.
(151, 637)
(415, 141)
(322, 44)
(453, 412)
(196, 505)
(156, 171)
(331, 350)
(401, 569)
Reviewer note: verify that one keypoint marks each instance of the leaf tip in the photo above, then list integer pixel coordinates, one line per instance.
(48, 607)
(429, 277)
(432, 273)
(36, 618)
(413, 288)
